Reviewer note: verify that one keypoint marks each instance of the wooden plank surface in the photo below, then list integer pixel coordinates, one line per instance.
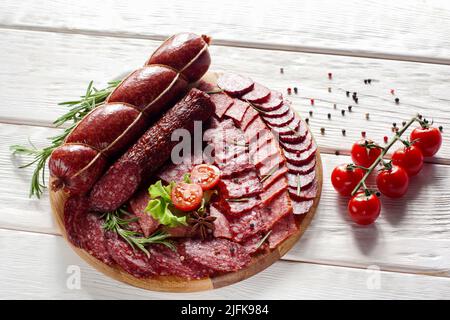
(413, 30)
(37, 265)
(408, 237)
(63, 73)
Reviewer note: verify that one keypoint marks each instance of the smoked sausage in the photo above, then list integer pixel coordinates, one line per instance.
(137, 102)
(151, 151)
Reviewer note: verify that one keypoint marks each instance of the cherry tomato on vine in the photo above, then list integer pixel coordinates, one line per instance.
(205, 175)
(187, 196)
(364, 209)
(345, 177)
(409, 158)
(365, 152)
(393, 182)
(428, 140)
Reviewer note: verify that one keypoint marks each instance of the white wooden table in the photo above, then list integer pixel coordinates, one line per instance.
(50, 50)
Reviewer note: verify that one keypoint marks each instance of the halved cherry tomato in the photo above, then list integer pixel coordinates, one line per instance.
(409, 158)
(364, 209)
(393, 182)
(344, 178)
(365, 152)
(187, 196)
(428, 140)
(205, 175)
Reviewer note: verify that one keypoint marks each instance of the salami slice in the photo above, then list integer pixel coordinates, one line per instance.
(270, 164)
(222, 103)
(247, 224)
(274, 102)
(308, 193)
(243, 185)
(301, 206)
(302, 169)
(281, 121)
(301, 158)
(235, 84)
(296, 137)
(94, 237)
(135, 262)
(255, 130)
(252, 244)
(277, 209)
(273, 176)
(259, 94)
(237, 110)
(217, 254)
(261, 156)
(235, 165)
(287, 129)
(239, 206)
(137, 206)
(274, 190)
(299, 146)
(304, 180)
(250, 115)
(74, 209)
(279, 112)
(221, 224)
(282, 230)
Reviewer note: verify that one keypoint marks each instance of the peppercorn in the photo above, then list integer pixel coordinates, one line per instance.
(369, 81)
(307, 120)
(394, 124)
(295, 90)
(365, 81)
(329, 116)
(385, 138)
(330, 75)
(329, 89)
(419, 116)
(363, 134)
(322, 130)
(334, 106)
(350, 108)
(356, 99)
(404, 123)
(289, 90)
(343, 112)
(367, 116)
(347, 93)
(310, 113)
(312, 102)
(397, 100)
(343, 132)
(336, 152)
(281, 70)
(441, 128)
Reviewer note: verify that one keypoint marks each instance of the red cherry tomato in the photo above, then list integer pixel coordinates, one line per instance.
(362, 155)
(205, 175)
(364, 209)
(409, 158)
(428, 140)
(187, 196)
(344, 178)
(393, 182)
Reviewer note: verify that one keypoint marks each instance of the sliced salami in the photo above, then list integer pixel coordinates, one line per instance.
(270, 164)
(296, 137)
(301, 158)
(281, 121)
(305, 193)
(282, 230)
(222, 103)
(301, 206)
(135, 262)
(274, 190)
(279, 112)
(221, 224)
(274, 102)
(304, 180)
(265, 152)
(299, 146)
(277, 209)
(93, 235)
(247, 224)
(237, 111)
(273, 176)
(235, 84)
(255, 130)
(235, 165)
(239, 206)
(218, 254)
(74, 209)
(249, 115)
(242, 185)
(253, 244)
(259, 94)
(289, 128)
(302, 169)
(137, 206)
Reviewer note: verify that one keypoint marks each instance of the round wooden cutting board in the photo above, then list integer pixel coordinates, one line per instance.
(174, 284)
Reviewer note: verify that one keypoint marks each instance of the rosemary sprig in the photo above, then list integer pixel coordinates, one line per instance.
(270, 173)
(260, 243)
(78, 109)
(238, 200)
(114, 222)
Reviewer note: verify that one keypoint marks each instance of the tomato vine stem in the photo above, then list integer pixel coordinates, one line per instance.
(397, 136)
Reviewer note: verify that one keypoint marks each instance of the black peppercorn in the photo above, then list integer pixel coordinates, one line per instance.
(310, 112)
(347, 93)
(343, 132)
(343, 112)
(350, 108)
(329, 116)
(397, 100)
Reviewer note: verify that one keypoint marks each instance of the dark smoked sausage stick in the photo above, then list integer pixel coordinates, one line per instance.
(151, 151)
(108, 130)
